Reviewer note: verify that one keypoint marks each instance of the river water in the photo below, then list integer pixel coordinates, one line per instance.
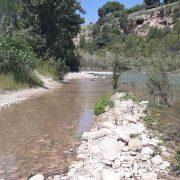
(36, 136)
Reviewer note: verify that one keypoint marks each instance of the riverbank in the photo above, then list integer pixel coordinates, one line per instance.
(8, 98)
(120, 147)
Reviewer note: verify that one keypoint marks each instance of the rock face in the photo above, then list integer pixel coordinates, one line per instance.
(117, 148)
(86, 31)
(161, 17)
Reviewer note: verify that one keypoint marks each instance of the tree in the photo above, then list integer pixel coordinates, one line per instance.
(152, 3)
(8, 9)
(58, 22)
(110, 7)
(119, 65)
(169, 1)
(158, 84)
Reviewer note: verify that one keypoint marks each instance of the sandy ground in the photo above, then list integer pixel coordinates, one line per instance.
(8, 98)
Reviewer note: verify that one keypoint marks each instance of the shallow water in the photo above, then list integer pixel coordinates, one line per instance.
(35, 136)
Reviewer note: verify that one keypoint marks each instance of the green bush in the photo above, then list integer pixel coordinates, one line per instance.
(17, 58)
(101, 103)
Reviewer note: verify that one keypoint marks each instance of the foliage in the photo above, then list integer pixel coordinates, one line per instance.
(119, 65)
(155, 33)
(101, 104)
(61, 69)
(17, 58)
(82, 43)
(132, 97)
(135, 8)
(7, 82)
(169, 1)
(58, 22)
(151, 3)
(110, 7)
(158, 85)
(177, 162)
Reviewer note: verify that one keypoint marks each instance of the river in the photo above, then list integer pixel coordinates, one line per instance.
(36, 136)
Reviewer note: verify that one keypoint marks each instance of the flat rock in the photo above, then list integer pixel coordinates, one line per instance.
(95, 134)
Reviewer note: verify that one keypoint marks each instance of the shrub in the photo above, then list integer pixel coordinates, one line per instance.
(158, 85)
(61, 69)
(16, 57)
(101, 103)
(155, 33)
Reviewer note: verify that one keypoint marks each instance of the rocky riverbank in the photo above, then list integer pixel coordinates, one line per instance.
(119, 146)
(9, 98)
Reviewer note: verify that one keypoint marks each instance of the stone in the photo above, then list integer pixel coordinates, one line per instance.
(130, 118)
(95, 134)
(109, 149)
(149, 176)
(157, 160)
(107, 162)
(110, 174)
(145, 157)
(135, 144)
(116, 164)
(166, 155)
(128, 174)
(165, 165)
(37, 177)
(125, 148)
(123, 135)
(84, 178)
(57, 177)
(145, 141)
(147, 151)
(107, 125)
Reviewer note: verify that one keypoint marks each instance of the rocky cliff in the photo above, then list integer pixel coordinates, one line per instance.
(160, 17)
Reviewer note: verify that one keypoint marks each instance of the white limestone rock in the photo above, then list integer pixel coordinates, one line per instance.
(37, 177)
(109, 149)
(110, 175)
(147, 151)
(157, 160)
(135, 144)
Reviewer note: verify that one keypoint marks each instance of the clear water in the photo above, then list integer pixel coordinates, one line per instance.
(35, 135)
